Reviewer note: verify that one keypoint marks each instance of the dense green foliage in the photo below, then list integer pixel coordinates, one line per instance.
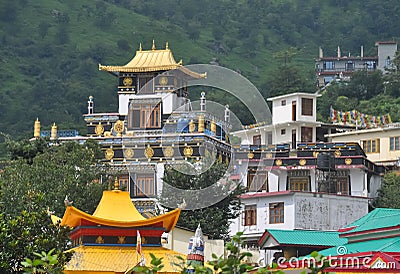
(51, 49)
(214, 212)
(390, 192)
(32, 186)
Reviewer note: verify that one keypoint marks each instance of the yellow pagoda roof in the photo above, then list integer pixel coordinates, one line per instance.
(150, 61)
(116, 209)
(113, 259)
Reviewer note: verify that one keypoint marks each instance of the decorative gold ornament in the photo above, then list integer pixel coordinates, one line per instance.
(188, 151)
(302, 162)
(169, 152)
(149, 152)
(109, 154)
(192, 126)
(315, 154)
(129, 153)
(201, 123)
(213, 127)
(348, 161)
(278, 162)
(99, 130)
(250, 155)
(220, 158)
(338, 153)
(119, 126)
(121, 239)
(36, 129)
(99, 240)
(163, 80)
(268, 155)
(127, 81)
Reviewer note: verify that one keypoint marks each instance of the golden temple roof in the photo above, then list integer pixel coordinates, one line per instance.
(116, 209)
(150, 61)
(113, 259)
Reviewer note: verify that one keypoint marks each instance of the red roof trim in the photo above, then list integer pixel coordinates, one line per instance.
(389, 228)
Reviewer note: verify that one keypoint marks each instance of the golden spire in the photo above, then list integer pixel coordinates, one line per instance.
(166, 45)
(116, 184)
(36, 129)
(153, 47)
(140, 46)
(53, 135)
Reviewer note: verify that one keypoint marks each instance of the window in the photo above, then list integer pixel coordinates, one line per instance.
(144, 185)
(370, 65)
(349, 66)
(123, 182)
(299, 180)
(283, 103)
(343, 182)
(387, 62)
(256, 181)
(257, 140)
(144, 116)
(306, 107)
(394, 143)
(329, 65)
(306, 134)
(276, 213)
(250, 215)
(283, 131)
(145, 85)
(371, 146)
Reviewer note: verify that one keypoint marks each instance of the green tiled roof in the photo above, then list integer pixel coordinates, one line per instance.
(378, 218)
(383, 245)
(307, 237)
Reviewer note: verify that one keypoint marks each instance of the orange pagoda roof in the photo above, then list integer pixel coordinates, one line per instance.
(116, 209)
(150, 61)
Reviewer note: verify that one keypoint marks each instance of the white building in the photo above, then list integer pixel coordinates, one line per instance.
(294, 120)
(294, 182)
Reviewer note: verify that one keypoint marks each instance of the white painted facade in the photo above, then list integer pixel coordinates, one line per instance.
(290, 119)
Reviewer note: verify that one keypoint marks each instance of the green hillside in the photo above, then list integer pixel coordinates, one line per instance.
(50, 50)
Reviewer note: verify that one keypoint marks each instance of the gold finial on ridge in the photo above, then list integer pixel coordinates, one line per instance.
(154, 46)
(166, 45)
(116, 184)
(53, 134)
(36, 128)
(140, 46)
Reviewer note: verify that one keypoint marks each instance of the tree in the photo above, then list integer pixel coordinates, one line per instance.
(36, 181)
(29, 232)
(215, 218)
(64, 169)
(390, 191)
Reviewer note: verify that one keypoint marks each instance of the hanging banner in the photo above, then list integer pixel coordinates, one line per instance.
(356, 118)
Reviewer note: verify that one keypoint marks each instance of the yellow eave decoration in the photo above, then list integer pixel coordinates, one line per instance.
(116, 209)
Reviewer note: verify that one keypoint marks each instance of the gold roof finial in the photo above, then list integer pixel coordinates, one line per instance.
(36, 128)
(53, 134)
(153, 47)
(166, 45)
(116, 184)
(140, 46)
